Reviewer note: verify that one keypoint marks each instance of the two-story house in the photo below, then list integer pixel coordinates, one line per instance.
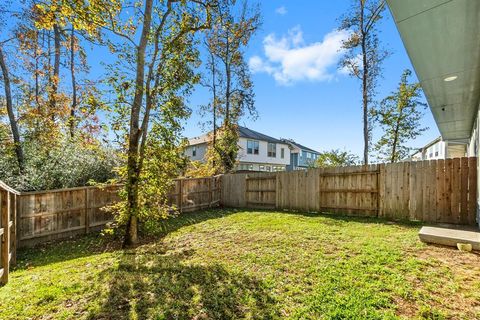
(257, 151)
(440, 149)
(301, 157)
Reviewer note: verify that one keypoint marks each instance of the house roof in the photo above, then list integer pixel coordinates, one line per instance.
(251, 134)
(199, 140)
(243, 132)
(431, 143)
(298, 145)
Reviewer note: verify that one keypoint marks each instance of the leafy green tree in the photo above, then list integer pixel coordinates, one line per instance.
(228, 78)
(157, 45)
(364, 55)
(399, 117)
(336, 158)
(68, 163)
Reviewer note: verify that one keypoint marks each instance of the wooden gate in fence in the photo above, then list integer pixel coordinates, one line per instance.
(436, 191)
(260, 191)
(341, 189)
(350, 190)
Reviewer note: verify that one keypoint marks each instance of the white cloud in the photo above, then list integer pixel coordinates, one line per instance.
(288, 59)
(281, 10)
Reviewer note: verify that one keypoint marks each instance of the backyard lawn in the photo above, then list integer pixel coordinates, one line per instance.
(230, 264)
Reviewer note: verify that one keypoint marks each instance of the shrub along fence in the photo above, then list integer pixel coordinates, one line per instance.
(437, 191)
(29, 218)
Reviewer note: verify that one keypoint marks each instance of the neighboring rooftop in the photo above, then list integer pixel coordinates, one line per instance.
(428, 145)
(251, 134)
(243, 133)
(298, 145)
(198, 140)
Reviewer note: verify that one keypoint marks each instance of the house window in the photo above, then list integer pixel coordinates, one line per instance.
(282, 153)
(252, 147)
(268, 168)
(272, 150)
(262, 168)
(194, 151)
(308, 155)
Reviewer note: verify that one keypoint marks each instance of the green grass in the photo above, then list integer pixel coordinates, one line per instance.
(228, 264)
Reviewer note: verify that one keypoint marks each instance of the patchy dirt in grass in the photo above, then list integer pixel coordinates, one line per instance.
(243, 264)
(450, 276)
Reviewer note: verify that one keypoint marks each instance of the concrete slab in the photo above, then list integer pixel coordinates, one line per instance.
(450, 236)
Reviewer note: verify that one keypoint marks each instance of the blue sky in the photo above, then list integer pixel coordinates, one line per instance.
(315, 105)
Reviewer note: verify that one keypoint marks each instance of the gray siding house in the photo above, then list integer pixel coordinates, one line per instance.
(257, 151)
(301, 157)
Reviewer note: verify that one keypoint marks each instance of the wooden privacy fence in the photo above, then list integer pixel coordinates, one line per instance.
(47, 215)
(29, 218)
(8, 243)
(437, 191)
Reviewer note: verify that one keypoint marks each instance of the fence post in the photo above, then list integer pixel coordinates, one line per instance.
(210, 193)
(180, 195)
(5, 251)
(87, 218)
(378, 189)
(13, 230)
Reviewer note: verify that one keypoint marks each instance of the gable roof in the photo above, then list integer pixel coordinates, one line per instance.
(298, 145)
(243, 132)
(251, 134)
(199, 140)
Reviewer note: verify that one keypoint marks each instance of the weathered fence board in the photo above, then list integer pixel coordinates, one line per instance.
(54, 214)
(233, 190)
(437, 191)
(441, 191)
(7, 230)
(48, 215)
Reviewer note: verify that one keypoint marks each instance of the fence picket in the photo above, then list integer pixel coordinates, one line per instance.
(437, 191)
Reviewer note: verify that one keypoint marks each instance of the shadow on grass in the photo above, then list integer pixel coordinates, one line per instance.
(157, 284)
(96, 243)
(174, 223)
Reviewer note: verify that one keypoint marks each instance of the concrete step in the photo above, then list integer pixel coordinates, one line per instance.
(450, 236)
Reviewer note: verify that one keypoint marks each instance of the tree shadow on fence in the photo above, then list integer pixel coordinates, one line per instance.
(162, 285)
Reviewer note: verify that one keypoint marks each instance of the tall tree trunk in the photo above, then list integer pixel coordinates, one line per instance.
(133, 169)
(395, 137)
(37, 85)
(11, 115)
(366, 133)
(73, 107)
(214, 105)
(56, 70)
(228, 81)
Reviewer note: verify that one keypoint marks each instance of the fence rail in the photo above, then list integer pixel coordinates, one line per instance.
(30, 218)
(437, 191)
